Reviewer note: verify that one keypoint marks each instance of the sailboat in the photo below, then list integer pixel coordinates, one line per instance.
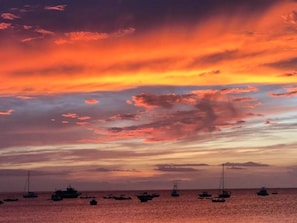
(224, 193)
(29, 194)
(174, 192)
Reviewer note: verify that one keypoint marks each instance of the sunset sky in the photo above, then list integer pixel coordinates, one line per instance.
(139, 94)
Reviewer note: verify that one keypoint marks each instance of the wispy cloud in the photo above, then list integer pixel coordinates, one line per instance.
(9, 16)
(289, 93)
(72, 37)
(246, 164)
(56, 7)
(8, 112)
(179, 167)
(291, 18)
(44, 31)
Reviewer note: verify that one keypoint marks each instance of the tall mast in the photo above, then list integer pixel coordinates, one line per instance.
(28, 181)
(223, 175)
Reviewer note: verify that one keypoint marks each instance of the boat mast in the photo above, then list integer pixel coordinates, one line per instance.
(28, 181)
(223, 176)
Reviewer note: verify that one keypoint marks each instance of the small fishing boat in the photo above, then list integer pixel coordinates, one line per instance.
(10, 199)
(144, 197)
(263, 192)
(204, 194)
(93, 202)
(122, 197)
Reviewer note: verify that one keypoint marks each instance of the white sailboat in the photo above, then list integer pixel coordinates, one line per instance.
(29, 194)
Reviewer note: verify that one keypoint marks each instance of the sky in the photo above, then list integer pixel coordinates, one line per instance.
(138, 95)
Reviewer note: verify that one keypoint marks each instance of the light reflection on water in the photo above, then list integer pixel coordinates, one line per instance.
(243, 207)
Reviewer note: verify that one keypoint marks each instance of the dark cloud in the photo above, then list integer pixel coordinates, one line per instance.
(178, 167)
(247, 164)
(54, 71)
(286, 64)
(165, 101)
(291, 74)
(210, 73)
(113, 14)
(104, 169)
(289, 93)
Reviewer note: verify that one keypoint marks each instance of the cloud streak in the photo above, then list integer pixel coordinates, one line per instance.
(56, 7)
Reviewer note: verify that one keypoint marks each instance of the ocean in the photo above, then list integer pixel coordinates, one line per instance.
(244, 206)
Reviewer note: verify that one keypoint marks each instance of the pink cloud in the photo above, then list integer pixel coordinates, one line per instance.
(4, 25)
(29, 39)
(70, 115)
(239, 90)
(8, 112)
(129, 102)
(289, 93)
(9, 16)
(24, 97)
(291, 18)
(84, 118)
(56, 7)
(166, 101)
(82, 123)
(26, 27)
(44, 31)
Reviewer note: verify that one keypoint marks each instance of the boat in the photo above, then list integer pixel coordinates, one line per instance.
(174, 192)
(218, 199)
(204, 194)
(87, 197)
(93, 202)
(122, 197)
(70, 192)
(109, 196)
(56, 197)
(144, 197)
(29, 194)
(223, 193)
(263, 192)
(10, 199)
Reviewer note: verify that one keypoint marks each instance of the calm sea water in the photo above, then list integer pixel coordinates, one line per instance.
(244, 206)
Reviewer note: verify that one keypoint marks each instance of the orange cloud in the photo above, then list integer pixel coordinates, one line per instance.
(91, 101)
(92, 36)
(246, 50)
